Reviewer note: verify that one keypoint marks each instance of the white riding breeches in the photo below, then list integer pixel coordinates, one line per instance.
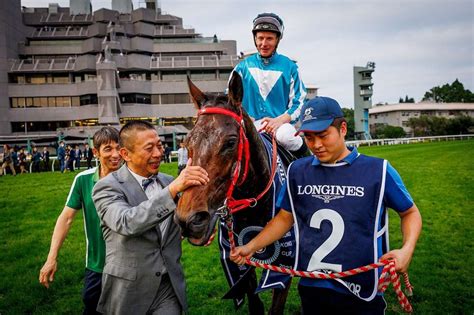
(285, 136)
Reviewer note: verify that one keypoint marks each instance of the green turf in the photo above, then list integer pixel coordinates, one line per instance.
(438, 175)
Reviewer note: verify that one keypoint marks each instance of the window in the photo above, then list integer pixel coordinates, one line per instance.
(203, 75)
(135, 98)
(21, 102)
(224, 75)
(36, 102)
(44, 102)
(37, 79)
(61, 79)
(75, 101)
(88, 99)
(174, 76)
(175, 98)
(51, 102)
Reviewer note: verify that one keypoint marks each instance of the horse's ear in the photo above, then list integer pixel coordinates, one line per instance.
(196, 94)
(236, 90)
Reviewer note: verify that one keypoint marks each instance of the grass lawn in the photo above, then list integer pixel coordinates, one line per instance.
(438, 176)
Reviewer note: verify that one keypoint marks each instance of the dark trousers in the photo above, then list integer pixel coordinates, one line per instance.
(91, 291)
(181, 168)
(326, 301)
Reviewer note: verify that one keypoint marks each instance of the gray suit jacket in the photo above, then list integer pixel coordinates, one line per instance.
(135, 249)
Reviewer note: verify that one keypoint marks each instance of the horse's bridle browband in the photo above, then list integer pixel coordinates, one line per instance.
(230, 203)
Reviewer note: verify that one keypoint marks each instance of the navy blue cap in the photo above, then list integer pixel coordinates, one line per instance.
(318, 114)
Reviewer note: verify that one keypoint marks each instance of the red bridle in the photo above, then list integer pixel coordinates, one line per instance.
(243, 149)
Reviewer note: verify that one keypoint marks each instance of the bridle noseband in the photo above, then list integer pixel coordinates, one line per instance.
(232, 205)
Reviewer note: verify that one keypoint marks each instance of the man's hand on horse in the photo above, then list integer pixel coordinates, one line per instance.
(272, 124)
(190, 176)
(240, 254)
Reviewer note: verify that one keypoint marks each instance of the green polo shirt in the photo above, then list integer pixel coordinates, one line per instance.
(80, 197)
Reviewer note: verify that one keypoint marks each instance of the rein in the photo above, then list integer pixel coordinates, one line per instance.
(388, 275)
(232, 205)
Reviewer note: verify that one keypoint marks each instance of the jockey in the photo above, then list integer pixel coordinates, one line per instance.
(274, 91)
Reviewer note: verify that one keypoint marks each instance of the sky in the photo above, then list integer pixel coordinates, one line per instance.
(415, 44)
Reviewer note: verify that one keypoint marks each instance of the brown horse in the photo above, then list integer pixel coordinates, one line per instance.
(213, 143)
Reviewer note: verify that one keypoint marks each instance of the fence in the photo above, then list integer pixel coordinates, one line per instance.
(358, 143)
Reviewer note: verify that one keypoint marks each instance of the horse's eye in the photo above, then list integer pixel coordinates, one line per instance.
(229, 144)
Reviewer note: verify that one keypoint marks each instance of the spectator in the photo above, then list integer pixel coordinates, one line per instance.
(22, 161)
(15, 157)
(71, 157)
(77, 157)
(88, 155)
(168, 150)
(182, 157)
(7, 160)
(36, 160)
(62, 156)
(45, 158)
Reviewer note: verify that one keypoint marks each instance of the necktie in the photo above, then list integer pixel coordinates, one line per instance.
(148, 181)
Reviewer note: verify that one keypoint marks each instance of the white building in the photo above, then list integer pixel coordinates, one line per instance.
(399, 114)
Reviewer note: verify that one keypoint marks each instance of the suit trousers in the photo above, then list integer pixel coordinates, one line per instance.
(165, 301)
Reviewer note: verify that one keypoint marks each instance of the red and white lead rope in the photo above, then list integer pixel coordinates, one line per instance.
(388, 275)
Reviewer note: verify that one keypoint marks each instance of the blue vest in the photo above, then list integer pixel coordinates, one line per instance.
(340, 220)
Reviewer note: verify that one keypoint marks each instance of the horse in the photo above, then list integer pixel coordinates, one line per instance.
(214, 144)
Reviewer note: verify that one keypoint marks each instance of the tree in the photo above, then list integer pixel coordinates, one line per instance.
(387, 131)
(406, 100)
(349, 116)
(438, 126)
(449, 93)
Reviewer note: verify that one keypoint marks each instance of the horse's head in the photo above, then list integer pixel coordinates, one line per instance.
(212, 144)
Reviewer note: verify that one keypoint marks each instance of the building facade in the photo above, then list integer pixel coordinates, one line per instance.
(363, 90)
(398, 114)
(71, 70)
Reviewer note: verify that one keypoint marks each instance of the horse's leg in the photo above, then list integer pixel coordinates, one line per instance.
(255, 304)
(278, 300)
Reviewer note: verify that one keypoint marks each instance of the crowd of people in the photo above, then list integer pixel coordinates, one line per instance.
(134, 245)
(18, 160)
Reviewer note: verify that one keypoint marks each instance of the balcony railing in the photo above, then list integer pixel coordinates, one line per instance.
(60, 32)
(178, 62)
(193, 61)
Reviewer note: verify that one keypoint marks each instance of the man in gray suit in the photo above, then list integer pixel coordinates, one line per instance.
(142, 272)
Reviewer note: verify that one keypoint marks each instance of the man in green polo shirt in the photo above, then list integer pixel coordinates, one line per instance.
(106, 148)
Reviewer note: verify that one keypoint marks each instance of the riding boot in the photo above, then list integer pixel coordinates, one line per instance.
(303, 151)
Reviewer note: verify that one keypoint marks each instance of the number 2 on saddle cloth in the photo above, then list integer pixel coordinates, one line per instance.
(281, 253)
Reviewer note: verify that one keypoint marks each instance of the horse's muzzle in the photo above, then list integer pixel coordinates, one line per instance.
(196, 225)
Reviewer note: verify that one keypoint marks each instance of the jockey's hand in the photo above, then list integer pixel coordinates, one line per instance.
(401, 257)
(271, 124)
(47, 272)
(190, 176)
(240, 254)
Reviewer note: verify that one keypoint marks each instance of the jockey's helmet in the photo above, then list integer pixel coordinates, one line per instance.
(268, 22)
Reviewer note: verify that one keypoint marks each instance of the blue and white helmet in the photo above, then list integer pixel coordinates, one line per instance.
(268, 22)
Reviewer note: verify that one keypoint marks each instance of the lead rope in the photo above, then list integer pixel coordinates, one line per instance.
(388, 275)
